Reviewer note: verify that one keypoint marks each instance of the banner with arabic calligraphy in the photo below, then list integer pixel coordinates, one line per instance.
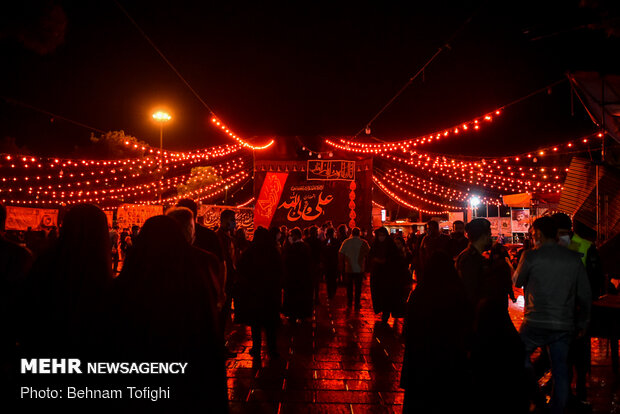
(304, 199)
(331, 170)
(209, 216)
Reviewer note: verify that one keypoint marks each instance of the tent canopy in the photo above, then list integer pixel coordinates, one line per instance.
(601, 97)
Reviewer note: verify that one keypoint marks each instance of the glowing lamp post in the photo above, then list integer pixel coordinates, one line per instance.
(162, 118)
(474, 202)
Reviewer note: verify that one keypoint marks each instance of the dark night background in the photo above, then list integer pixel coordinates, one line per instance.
(302, 69)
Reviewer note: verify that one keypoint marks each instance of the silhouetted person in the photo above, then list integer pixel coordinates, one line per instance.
(557, 303)
(433, 241)
(114, 246)
(458, 242)
(404, 281)
(260, 291)
(123, 243)
(315, 246)
(205, 239)
(67, 303)
(69, 284)
(527, 245)
(276, 236)
(500, 276)
(472, 267)
(165, 313)
(388, 274)
(224, 234)
(497, 355)
(329, 261)
(298, 282)
(212, 269)
(240, 243)
(434, 373)
(15, 262)
(580, 352)
(352, 257)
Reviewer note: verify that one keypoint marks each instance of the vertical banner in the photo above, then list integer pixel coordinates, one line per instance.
(267, 201)
(302, 194)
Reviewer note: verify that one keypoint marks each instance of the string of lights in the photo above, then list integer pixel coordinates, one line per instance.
(96, 197)
(92, 178)
(247, 203)
(171, 182)
(205, 192)
(491, 181)
(94, 192)
(411, 194)
(374, 203)
(402, 202)
(434, 188)
(405, 145)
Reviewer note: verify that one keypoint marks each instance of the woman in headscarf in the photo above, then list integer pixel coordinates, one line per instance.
(260, 273)
(166, 313)
(68, 287)
(434, 373)
(298, 278)
(66, 303)
(388, 275)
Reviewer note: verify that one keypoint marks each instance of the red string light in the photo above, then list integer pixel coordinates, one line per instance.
(402, 202)
(220, 125)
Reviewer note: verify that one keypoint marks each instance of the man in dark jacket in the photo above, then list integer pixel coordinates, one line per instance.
(15, 262)
(472, 267)
(580, 348)
(458, 241)
(557, 303)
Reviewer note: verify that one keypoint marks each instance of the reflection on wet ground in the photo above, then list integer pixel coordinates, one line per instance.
(346, 361)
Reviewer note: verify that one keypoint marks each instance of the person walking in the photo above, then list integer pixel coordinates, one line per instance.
(329, 261)
(434, 371)
(458, 241)
(164, 311)
(352, 254)
(433, 241)
(260, 291)
(471, 265)
(557, 304)
(298, 278)
(387, 274)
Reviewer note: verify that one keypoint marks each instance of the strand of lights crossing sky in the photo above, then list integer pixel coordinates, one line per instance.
(128, 191)
(201, 194)
(410, 194)
(93, 179)
(401, 201)
(427, 186)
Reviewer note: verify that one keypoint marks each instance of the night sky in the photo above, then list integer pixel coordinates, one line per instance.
(303, 69)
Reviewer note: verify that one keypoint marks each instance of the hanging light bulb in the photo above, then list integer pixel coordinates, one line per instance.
(367, 130)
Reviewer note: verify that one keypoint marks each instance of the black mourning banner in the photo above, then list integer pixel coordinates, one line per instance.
(301, 194)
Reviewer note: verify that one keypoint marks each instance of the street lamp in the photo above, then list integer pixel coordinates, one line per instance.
(474, 202)
(161, 117)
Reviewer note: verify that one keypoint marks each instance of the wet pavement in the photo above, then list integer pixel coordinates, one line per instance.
(346, 361)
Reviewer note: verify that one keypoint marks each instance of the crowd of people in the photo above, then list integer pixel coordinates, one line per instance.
(180, 281)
